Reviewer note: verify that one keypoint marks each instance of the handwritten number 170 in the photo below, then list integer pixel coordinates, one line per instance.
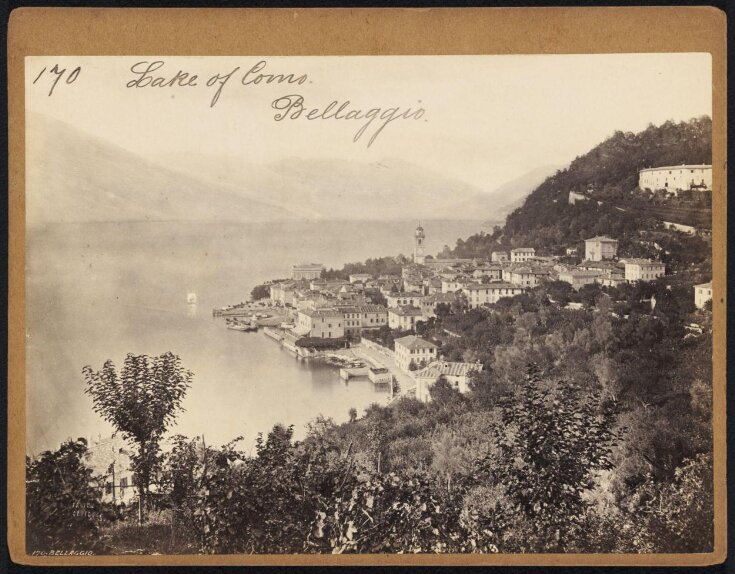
(59, 73)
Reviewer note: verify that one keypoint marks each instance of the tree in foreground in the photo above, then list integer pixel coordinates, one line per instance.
(552, 443)
(140, 402)
(61, 500)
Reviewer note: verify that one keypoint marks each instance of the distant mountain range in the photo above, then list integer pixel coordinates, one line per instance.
(508, 197)
(73, 176)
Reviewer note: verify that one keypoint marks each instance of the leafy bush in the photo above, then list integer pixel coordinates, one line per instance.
(63, 505)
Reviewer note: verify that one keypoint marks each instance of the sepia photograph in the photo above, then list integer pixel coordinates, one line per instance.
(430, 304)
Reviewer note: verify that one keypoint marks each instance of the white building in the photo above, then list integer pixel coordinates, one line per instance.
(456, 374)
(524, 276)
(283, 293)
(702, 294)
(479, 294)
(574, 197)
(413, 349)
(452, 285)
(109, 458)
(404, 318)
(307, 271)
(321, 323)
(643, 270)
(675, 178)
(492, 272)
(600, 247)
(402, 299)
(522, 254)
(578, 278)
(360, 317)
(499, 256)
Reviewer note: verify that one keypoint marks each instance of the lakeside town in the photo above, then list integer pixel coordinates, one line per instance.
(543, 385)
(340, 320)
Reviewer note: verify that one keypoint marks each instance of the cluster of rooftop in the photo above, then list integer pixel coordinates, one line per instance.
(332, 309)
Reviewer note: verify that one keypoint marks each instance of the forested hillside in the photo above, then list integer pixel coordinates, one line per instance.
(608, 175)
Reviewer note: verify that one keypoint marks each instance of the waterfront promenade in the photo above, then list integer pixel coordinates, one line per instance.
(368, 354)
(405, 382)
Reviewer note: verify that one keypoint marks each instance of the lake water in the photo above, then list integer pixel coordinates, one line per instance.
(99, 291)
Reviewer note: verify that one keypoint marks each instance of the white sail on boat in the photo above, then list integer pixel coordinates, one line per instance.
(191, 298)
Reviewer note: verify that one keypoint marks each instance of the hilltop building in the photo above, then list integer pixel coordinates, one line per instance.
(675, 178)
(307, 271)
(574, 197)
(600, 247)
(643, 270)
(413, 349)
(702, 294)
(522, 254)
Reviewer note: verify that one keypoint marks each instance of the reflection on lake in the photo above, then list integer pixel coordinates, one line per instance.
(99, 291)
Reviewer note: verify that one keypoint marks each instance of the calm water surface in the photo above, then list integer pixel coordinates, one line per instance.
(100, 291)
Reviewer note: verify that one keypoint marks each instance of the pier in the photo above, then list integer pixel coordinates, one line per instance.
(262, 316)
(346, 373)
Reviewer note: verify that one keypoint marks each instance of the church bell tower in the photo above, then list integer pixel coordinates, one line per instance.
(418, 246)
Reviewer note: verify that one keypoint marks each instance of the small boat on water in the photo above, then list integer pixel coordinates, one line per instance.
(244, 326)
(191, 299)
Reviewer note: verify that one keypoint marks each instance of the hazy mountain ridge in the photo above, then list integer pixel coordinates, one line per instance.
(388, 189)
(74, 176)
(508, 197)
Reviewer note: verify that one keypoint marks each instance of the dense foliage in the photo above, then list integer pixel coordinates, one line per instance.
(374, 267)
(63, 507)
(530, 473)
(260, 292)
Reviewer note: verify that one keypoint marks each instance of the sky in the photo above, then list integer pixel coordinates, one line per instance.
(485, 120)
